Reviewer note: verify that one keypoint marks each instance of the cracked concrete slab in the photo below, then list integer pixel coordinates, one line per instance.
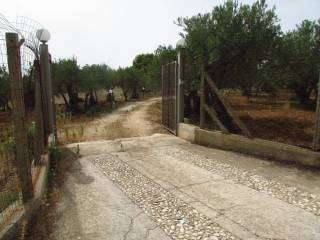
(173, 171)
(164, 175)
(93, 208)
(260, 214)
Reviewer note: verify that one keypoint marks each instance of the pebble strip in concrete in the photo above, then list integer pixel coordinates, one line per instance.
(289, 194)
(174, 216)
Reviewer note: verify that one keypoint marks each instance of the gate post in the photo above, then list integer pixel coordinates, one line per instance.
(19, 115)
(180, 85)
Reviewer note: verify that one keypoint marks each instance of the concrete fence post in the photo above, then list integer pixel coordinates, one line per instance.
(19, 115)
(54, 120)
(181, 71)
(39, 134)
(46, 79)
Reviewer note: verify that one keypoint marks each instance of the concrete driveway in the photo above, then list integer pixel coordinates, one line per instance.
(161, 187)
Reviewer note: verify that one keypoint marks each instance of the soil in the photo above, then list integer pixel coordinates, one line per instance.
(133, 119)
(279, 120)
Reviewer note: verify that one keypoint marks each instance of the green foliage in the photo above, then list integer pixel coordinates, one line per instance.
(54, 154)
(95, 77)
(234, 42)
(67, 81)
(7, 198)
(150, 64)
(240, 45)
(32, 130)
(9, 145)
(300, 59)
(130, 80)
(4, 89)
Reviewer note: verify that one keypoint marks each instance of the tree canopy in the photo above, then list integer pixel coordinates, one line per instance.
(241, 46)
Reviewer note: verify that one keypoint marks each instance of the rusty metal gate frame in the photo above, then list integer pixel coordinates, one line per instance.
(169, 96)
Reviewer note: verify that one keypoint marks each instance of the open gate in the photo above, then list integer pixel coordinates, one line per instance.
(169, 96)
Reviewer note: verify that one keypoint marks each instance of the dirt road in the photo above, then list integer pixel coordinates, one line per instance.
(162, 187)
(131, 120)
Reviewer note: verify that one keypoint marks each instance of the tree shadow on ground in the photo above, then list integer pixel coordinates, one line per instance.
(64, 163)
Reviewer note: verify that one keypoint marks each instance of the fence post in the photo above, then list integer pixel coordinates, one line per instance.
(316, 136)
(53, 102)
(181, 69)
(44, 102)
(46, 80)
(19, 116)
(202, 99)
(39, 135)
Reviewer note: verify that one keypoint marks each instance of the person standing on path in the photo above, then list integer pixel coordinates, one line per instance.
(143, 91)
(110, 98)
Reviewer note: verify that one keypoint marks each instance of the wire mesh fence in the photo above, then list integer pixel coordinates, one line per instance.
(22, 133)
(10, 190)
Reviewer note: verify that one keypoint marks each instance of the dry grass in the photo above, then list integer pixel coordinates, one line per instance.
(277, 120)
(9, 184)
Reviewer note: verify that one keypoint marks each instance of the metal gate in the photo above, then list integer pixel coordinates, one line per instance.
(169, 96)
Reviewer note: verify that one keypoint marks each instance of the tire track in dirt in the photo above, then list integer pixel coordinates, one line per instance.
(132, 120)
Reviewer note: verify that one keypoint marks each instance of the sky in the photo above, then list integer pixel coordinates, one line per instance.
(115, 31)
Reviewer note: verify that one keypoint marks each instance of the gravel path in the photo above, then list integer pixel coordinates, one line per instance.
(178, 219)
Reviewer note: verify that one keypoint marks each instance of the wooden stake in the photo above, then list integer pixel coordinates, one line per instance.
(19, 116)
(227, 107)
(213, 114)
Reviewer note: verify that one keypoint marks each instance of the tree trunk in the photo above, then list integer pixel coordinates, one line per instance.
(248, 93)
(303, 95)
(65, 101)
(96, 97)
(92, 100)
(73, 99)
(125, 94)
(86, 101)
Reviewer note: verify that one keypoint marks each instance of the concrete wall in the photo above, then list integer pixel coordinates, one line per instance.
(187, 132)
(257, 147)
